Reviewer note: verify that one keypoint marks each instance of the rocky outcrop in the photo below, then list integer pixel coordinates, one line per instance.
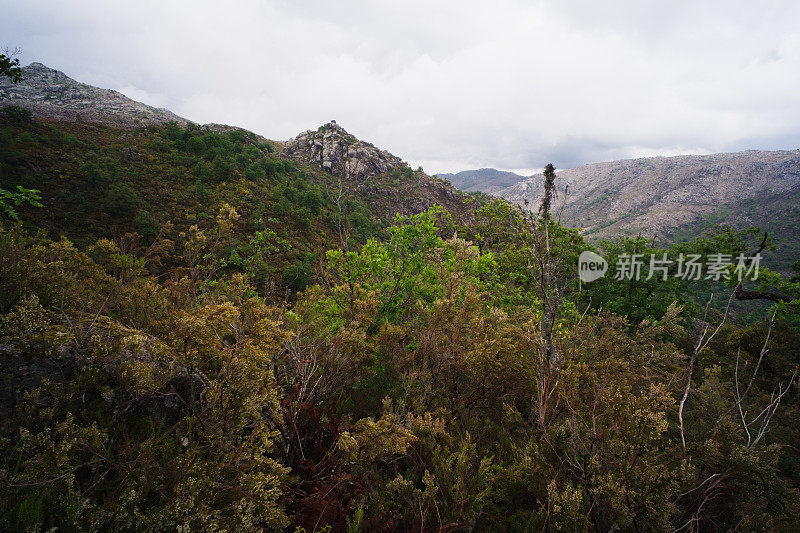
(381, 179)
(341, 154)
(52, 95)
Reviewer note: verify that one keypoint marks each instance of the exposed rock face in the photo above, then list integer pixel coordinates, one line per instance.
(383, 180)
(670, 197)
(341, 154)
(657, 194)
(51, 94)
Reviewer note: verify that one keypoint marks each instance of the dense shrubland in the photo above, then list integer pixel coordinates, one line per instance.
(443, 373)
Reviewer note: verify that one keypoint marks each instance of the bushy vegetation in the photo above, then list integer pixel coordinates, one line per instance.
(444, 373)
(103, 182)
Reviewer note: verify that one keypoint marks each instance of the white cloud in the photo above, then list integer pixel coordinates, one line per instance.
(140, 95)
(449, 84)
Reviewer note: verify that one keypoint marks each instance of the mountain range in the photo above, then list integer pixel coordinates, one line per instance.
(668, 198)
(106, 165)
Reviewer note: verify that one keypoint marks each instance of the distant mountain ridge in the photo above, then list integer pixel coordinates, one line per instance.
(674, 197)
(656, 194)
(669, 198)
(488, 180)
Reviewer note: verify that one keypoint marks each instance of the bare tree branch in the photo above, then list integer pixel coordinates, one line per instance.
(702, 343)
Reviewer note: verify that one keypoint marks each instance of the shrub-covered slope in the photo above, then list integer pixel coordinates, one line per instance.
(101, 181)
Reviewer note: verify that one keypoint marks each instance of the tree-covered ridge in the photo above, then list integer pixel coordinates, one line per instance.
(440, 371)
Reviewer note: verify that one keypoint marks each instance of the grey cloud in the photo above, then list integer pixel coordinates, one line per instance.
(448, 85)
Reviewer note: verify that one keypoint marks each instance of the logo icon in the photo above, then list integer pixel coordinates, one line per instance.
(591, 266)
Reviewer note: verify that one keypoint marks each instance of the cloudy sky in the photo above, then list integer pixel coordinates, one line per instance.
(448, 85)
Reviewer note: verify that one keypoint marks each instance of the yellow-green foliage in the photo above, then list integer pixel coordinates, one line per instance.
(413, 388)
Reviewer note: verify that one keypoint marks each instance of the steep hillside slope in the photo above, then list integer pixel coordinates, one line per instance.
(102, 175)
(51, 94)
(101, 181)
(677, 197)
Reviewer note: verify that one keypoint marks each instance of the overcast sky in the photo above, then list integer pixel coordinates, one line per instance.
(446, 85)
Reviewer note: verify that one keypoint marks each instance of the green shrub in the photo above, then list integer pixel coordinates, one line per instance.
(122, 200)
(94, 174)
(9, 200)
(297, 276)
(17, 115)
(221, 169)
(146, 225)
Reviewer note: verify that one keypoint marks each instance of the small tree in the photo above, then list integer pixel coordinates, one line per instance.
(549, 187)
(545, 266)
(9, 66)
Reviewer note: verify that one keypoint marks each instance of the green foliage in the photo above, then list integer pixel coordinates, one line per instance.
(298, 275)
(233, 342)
(9, 200)
(122, 201)
(640, 299)
(783, 288)
(139, 432)
(9, 67)
(94, 174)
(16, 114)
(221, 168)
(145, 225)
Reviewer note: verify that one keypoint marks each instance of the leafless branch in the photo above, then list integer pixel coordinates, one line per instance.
(765, 416)
(702, 342)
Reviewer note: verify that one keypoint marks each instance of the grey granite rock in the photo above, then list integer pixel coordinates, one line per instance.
(341, 154)
(51, 94)
(656, 195)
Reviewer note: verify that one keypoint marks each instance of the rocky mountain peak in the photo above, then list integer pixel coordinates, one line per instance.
(51, 94)
(39, 71)
(342, 154)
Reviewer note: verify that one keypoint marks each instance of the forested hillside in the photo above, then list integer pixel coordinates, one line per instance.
(201, 329)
